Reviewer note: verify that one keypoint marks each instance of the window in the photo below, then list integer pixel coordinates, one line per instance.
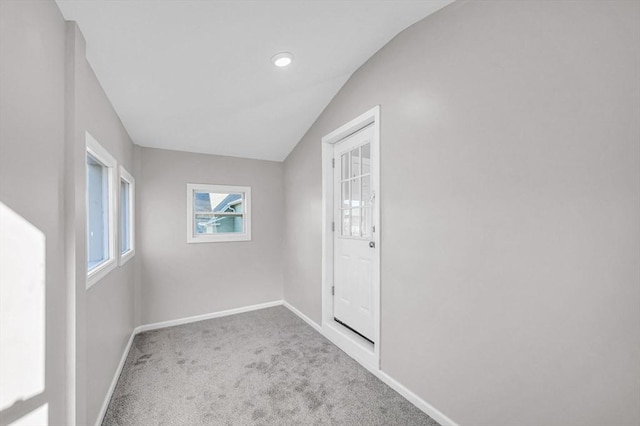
(356, 195)
(127, 216)
(100, 195)
(217, 213)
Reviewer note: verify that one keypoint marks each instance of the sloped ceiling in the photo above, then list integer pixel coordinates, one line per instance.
(196, 75)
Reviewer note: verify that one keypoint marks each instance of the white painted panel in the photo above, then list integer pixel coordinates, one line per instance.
(364, 288)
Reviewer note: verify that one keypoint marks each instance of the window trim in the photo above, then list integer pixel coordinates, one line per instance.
(225, 237)
(102, 155)
(126, 256)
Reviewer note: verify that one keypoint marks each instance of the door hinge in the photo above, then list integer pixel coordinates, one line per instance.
(333, 227)
(333, 163)
(333, 290)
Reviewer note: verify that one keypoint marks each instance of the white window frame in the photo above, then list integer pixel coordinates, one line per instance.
(98, 152)
(223, 237)
(126, 256)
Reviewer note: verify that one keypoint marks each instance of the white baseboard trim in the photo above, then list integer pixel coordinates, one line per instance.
(196, 318)
(303, 317)
(423, 405)
(114, 381)
(163, 324)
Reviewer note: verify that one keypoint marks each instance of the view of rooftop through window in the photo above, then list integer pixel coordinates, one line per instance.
(218, 213)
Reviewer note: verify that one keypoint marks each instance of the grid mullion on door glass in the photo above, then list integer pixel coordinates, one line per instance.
(355, 187)
(355, 183)
(366, 205)
(356, 207)
(345, 208)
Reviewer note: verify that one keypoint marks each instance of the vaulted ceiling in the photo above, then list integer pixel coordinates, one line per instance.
(196, 75)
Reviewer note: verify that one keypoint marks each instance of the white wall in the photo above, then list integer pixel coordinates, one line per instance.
(510, 203)
(181, 280)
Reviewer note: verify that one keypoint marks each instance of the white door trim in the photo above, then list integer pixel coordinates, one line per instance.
(350, 342)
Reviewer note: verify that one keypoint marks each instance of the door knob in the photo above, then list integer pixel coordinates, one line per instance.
(372, 244)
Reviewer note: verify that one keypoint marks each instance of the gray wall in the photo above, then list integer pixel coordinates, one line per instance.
(32, 48)
(50, 96)
(510, 285)
(106, 310)
(180, 279)
(510, 202)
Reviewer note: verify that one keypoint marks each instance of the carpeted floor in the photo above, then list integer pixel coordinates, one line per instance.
(265, 367)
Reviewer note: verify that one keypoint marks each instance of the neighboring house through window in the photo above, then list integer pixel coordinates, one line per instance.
(218, 213)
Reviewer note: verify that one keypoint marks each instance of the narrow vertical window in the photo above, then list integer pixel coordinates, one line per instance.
(100, 201)
(98, 212)
(127, 216)
(125, 241)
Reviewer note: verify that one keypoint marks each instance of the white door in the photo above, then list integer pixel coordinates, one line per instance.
(354, 244)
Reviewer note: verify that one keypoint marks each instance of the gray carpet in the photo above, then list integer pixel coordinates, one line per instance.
(265, 367)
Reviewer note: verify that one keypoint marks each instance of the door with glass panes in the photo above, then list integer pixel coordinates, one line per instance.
(354, 245)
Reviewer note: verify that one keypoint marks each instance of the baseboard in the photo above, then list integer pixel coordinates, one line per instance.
(303, 317)
(163, 324)
(114, 381)
(196, 318)
(423, 405)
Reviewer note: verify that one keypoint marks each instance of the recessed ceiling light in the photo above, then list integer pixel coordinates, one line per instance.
(282, 59)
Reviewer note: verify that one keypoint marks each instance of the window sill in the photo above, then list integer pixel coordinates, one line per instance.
(126, 256)
(100, 272)
(218, 238)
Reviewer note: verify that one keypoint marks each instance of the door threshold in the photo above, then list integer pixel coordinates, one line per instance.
(356, 346)
(355, 331)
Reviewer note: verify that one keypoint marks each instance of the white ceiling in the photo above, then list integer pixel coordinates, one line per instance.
(195, 75)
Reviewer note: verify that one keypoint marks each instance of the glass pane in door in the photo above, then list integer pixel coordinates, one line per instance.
(355, 192)
(344, 162)
(366, 191)
(355, 197)
(355, 162)
(366, 206)
(346, 199)
(346, 223)
(355, 222)
(366, 158)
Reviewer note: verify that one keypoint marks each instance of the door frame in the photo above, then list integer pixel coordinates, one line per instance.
(354, 345)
